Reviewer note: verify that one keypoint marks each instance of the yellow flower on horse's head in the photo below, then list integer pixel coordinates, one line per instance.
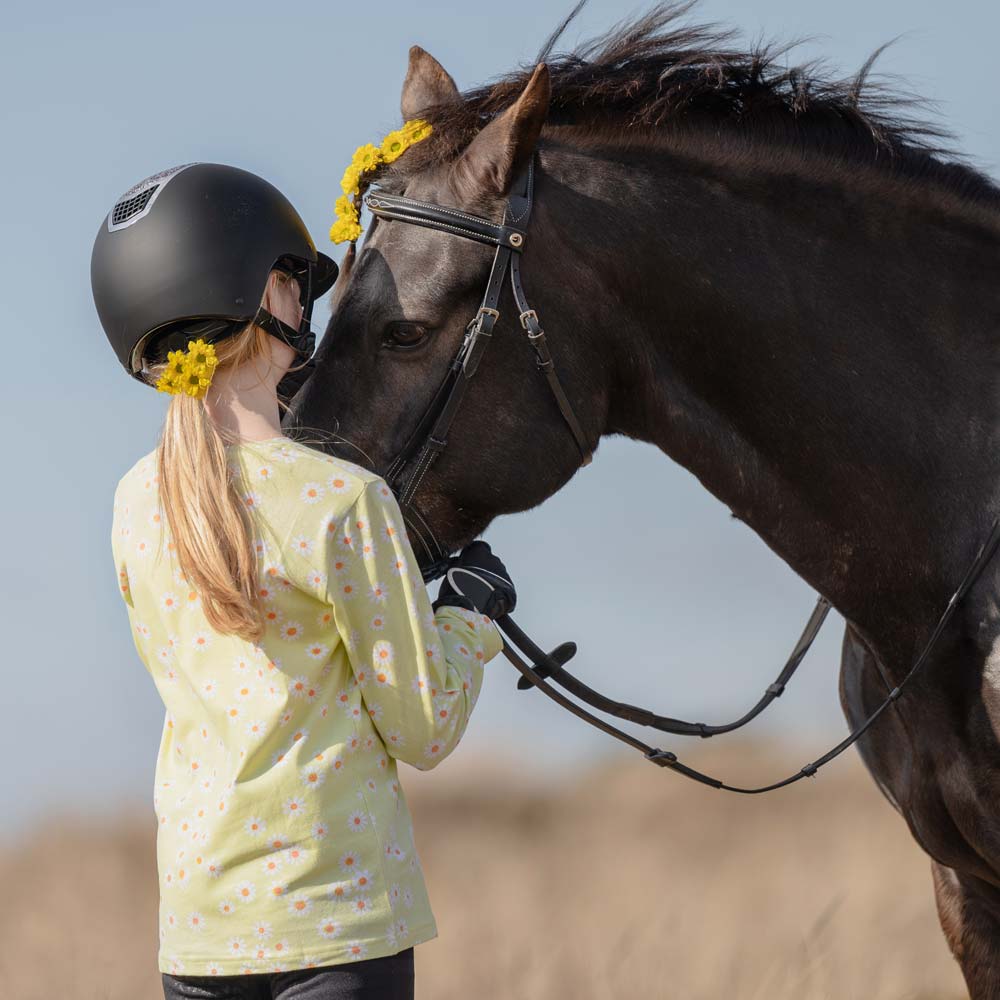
(365, 160)
(416, 129)
(345, 208)
(366, 157)
(344, 230)
(349, 182)
(394, 145)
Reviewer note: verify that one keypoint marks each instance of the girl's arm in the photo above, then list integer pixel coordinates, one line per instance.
(420, 672)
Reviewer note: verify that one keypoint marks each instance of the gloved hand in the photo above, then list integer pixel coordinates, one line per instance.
(479, 581)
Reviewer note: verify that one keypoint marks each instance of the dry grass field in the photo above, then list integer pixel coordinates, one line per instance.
(625, 882)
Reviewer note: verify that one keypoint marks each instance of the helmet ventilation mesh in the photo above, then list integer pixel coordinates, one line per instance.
(138, 199)
(124, 210)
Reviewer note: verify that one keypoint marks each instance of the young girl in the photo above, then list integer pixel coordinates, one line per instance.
(275, 600)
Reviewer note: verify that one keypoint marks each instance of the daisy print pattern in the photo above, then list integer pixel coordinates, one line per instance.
(251, 500)
(357, 821)
(303, 546)
(312, 493)
(283, 839)
(256, 826)
(290, 630)
(330, 927)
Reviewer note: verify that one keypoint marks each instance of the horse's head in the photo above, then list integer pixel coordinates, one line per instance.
(400, 311)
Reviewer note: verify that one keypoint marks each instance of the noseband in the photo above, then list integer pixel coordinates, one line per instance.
(430, 437)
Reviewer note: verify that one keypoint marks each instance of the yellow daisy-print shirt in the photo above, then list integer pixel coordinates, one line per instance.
(284, 840)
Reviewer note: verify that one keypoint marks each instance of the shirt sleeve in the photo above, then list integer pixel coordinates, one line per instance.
(420, 672)
(120, 529)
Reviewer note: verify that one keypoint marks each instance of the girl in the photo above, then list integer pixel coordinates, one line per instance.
(275, 600)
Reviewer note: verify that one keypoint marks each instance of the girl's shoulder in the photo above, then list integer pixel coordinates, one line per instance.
(288, 479)
(326, 463)
(140, 478)
(288, 466)
(285, 458)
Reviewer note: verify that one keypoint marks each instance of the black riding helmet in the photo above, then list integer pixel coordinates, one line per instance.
(187, 252)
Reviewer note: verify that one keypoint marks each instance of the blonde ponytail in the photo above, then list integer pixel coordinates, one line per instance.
(210, 525)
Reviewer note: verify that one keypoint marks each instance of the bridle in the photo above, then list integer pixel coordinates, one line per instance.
(430, 437)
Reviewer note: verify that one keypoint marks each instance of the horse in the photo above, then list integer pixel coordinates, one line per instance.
(782, 281)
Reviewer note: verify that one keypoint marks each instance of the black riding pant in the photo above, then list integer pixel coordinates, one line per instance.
(386, 978)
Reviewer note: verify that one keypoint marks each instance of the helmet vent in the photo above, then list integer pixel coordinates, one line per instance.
(124, 210)
(138, 200)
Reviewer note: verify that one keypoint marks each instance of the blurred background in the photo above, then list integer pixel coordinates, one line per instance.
(815, 891)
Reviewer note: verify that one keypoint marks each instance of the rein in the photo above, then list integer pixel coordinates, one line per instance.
(430, 438)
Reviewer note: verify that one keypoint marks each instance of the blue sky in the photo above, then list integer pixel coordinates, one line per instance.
(692, 618)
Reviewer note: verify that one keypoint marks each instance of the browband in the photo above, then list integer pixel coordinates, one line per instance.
(452, 220)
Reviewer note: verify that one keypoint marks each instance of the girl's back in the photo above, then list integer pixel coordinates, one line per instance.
(285, 841)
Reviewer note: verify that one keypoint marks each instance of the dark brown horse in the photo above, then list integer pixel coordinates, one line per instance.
(790, 291)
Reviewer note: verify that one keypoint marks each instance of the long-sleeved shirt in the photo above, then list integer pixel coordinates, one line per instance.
(284, 838)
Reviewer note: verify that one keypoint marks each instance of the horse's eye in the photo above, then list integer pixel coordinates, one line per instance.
(403, 336)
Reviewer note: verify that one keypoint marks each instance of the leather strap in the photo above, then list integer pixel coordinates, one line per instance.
(463, 368)
(429, 439)
(449, 220)
(543, 359)
(552, 664)
(303, 340)
(644, 717)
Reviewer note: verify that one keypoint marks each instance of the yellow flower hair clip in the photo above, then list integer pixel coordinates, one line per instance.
(366, 160)
(189, 372)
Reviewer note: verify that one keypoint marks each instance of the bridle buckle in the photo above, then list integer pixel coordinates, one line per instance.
(530, 321)
(481, 325)
(494, 315)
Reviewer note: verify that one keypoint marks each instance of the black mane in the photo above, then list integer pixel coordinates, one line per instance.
(652, 75)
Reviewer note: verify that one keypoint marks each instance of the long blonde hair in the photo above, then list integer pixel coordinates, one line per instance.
(210, 525)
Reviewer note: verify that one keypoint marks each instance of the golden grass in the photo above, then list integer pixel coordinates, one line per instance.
(627, 882)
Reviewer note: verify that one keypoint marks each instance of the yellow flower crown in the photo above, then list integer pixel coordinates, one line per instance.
(367, 159)
(190, 371)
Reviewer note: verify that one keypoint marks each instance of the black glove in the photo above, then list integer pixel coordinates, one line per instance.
(478, 581)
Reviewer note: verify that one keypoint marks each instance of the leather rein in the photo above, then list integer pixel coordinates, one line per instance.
(430, 437)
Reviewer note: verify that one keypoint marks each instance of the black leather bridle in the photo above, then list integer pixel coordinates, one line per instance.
(430, 437)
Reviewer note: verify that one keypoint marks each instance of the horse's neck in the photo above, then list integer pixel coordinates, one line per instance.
(822, 357)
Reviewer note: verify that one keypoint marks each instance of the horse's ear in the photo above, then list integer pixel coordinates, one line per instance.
(427, 83)
(495, 157)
